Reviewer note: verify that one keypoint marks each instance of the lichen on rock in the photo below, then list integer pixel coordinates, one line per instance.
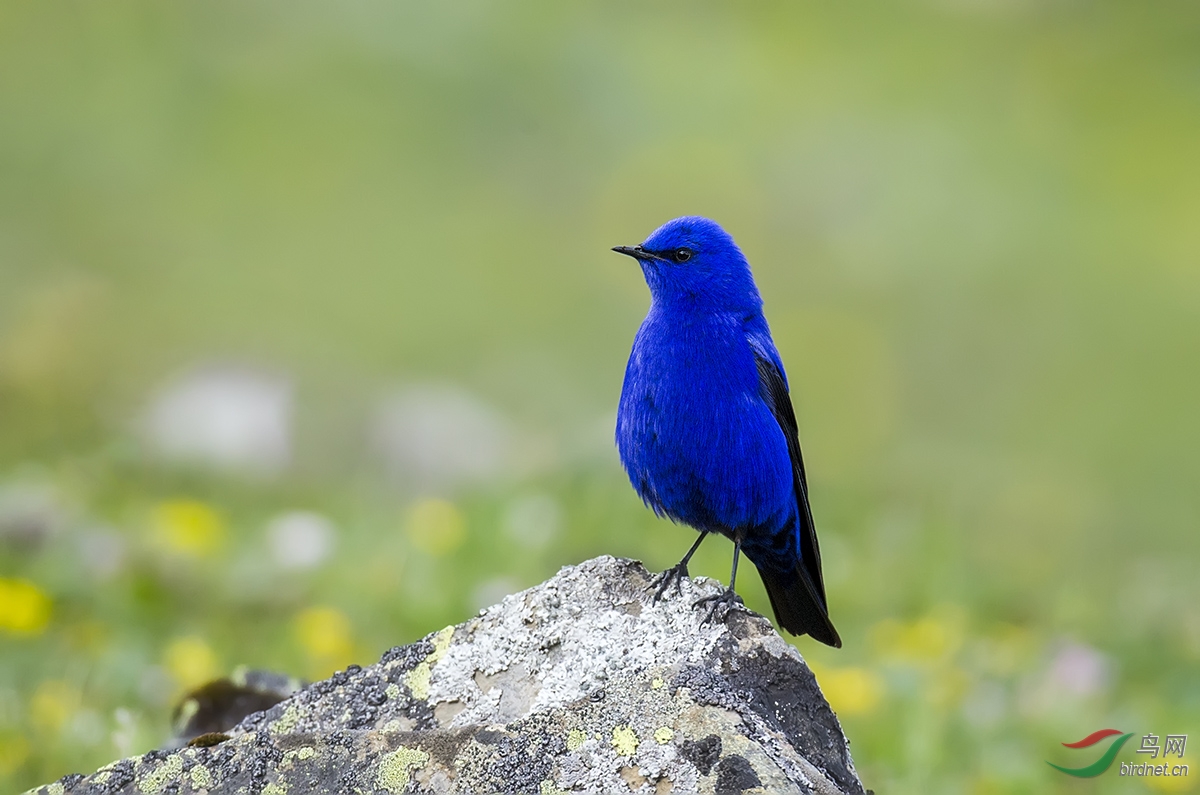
(580, 684)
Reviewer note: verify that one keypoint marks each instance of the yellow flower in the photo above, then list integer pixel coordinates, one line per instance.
(24, 608)
(191, 661)
(930, 639)
(436, 526)
(324, 634)
(851, 690)
(53, 704)
(189, 527)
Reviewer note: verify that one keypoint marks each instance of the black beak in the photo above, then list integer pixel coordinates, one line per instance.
(637, 252)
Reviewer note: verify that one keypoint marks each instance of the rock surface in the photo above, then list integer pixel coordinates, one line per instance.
(578, 684)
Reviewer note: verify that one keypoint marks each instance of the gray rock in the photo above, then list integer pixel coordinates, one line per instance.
(579, 684)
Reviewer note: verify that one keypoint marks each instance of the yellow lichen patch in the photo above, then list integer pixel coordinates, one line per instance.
(306, 752)
(56, 789)
(286, 722)
(201, 778)
(663, 735)
(850, 691)
(24, 608)
(165, 773)
(548, 787)
(417, 680)
(624, 740)
(441, 642)
(393, 690)
(275, 789)
(657, 683)
(395, 768)
(191, 661)
(575, 739)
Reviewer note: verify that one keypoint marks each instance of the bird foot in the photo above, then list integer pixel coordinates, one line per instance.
(719, 605)
(672, 576)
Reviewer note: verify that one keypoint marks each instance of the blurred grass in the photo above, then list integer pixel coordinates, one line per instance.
(974, 224)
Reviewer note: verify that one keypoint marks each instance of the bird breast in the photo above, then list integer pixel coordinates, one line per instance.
(694, 434)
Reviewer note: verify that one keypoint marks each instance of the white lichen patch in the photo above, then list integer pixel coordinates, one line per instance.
(564, 635)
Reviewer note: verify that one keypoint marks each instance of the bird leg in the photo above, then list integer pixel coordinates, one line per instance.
(722, 603)
(676, 573)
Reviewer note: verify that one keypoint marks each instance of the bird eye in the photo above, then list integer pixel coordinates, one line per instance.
(682, 255)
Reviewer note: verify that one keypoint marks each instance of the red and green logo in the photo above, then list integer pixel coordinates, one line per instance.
(1101, 764)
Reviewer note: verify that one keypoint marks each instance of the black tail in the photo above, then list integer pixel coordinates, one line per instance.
(798, 606)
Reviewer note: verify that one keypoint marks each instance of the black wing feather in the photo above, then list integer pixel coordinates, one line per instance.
(814, 617)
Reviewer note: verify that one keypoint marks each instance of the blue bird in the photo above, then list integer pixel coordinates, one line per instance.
(706, 429)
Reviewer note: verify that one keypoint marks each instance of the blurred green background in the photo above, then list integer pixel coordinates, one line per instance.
(311, 343)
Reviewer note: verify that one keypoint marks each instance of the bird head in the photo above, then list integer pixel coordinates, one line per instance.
(692, 261)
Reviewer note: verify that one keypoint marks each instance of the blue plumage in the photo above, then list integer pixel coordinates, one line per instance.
(705, 427)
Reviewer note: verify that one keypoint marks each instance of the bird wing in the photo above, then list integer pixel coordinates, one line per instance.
(774, 390)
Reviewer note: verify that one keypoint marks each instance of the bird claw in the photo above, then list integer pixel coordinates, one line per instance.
(665, 579)
(721, 605)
